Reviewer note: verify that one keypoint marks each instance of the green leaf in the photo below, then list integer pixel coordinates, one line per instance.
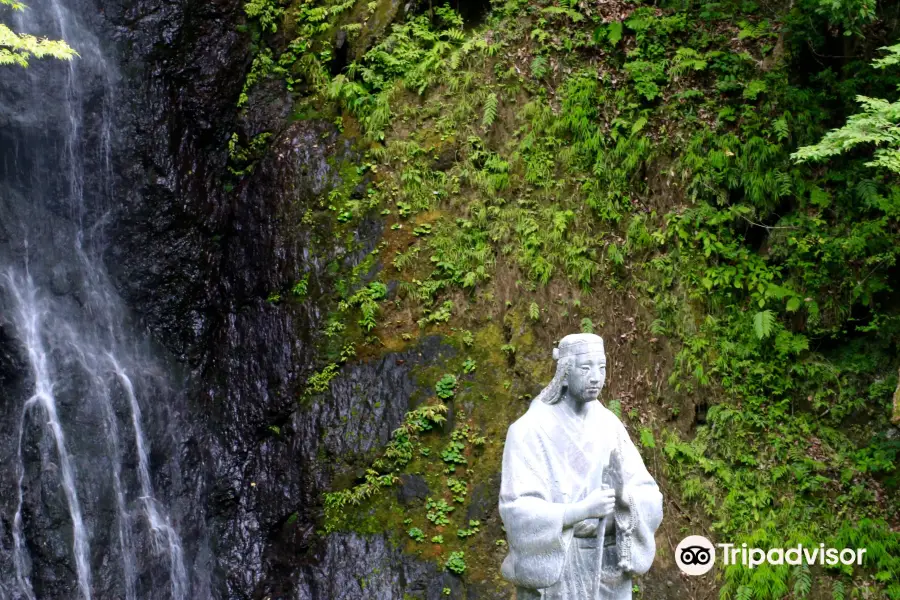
(490, 111)
(614, 32)
(763, 323)
(793, 304)
(819, 197)
(18, 48)
(639, 124)
(754, 88)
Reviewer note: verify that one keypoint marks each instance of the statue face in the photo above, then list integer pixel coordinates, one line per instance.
(587, 376)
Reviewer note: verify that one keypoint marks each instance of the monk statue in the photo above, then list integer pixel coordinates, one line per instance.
(579, 507)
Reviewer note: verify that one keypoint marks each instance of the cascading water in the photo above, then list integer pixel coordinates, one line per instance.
(84, 499)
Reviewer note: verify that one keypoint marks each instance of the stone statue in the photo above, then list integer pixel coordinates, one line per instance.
(575, 497)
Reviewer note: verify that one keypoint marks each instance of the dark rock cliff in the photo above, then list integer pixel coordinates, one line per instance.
(194, 259)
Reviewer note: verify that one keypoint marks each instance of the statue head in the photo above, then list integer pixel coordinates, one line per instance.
(580, 369)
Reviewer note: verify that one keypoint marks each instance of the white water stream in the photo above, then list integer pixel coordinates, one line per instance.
(91, 345)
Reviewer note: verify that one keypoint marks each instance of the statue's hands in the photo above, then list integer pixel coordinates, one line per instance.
(586, 528)
(598, 504)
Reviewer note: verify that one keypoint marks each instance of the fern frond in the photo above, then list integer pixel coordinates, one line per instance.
(490, 110)
(763, 323)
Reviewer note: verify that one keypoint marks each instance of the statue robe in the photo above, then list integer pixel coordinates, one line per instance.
(550, 460)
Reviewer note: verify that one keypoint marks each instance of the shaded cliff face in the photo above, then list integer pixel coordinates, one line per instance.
(197, 260)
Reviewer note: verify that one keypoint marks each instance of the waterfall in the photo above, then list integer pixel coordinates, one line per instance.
(165, 538)
(29, 320)
(80, 426)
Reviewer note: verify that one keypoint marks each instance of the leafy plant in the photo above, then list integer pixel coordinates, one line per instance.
(877, 124)
(20, 48)
(458, 488)
(446, 387)
(452, 453)
(474, 527)
(456, 562)
(301, 288)
(490, 111)
(438, 511)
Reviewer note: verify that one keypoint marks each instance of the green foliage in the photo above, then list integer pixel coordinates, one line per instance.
(441, 314)
(686, 60)
(490, 111)
(266, 12)
(438, 511)
(422, 230)
(382, 474)
(456, 563)
(658, 166)
(318, 382)
(458, 488)
(367, 300)
(539, 67)
(19, 48)
(850, 15)
(414, 54)
(242, 159)
(474, 528)
(837, 591)
(802, 581)
(615, 406)
(416, 534)
(647, 75)
(878, 124)
(452, 454)
(264, 65)
(301, 288)
(763, 323)
(446, 387)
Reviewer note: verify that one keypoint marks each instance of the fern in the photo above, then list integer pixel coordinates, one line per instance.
(877, 124)
(763, 323)
(490, 111)
(802, 581)
(568, 12)
(837, 591)
(687, 59)
(539, 67)
(266, 12)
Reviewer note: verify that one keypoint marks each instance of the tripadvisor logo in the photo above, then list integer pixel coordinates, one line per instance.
(695, 555)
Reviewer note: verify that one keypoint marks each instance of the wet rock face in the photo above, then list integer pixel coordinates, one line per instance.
(194, 253)
(196, 260)
(353, 566)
